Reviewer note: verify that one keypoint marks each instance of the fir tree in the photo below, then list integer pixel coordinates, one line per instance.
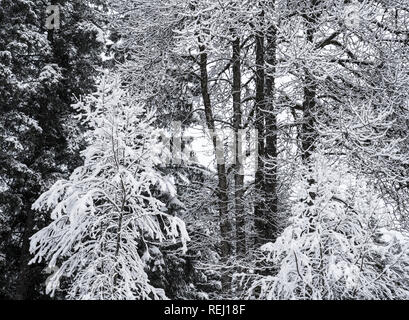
(106, 216)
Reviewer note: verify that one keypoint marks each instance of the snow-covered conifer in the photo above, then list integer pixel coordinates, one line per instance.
(106, 216)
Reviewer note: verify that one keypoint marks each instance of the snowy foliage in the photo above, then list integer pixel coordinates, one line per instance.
(106, 215)
(339, 244)
(317, 209)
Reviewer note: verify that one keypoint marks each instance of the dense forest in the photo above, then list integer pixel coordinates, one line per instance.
(204, 149)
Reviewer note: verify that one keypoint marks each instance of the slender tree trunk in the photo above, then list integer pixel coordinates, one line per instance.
(309, 135)
(259, 107)
(271, 179)
(225, 226)
(266, 179)
(24, 281)
(308, 130)
(238, 176)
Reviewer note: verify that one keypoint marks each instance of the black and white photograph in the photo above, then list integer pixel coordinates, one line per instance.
(221, 151)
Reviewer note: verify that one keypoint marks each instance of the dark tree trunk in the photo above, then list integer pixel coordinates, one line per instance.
(266, 123)
(308, 130)
(225, 225)
(309, 135)
(24, 282)
(259, 107)
(238, 176)
(271, 180)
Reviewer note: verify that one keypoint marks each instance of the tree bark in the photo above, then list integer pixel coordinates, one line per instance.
(238, 176)
(270, 167)
(24, 282)
(222, 190)
(259, 107)
(309, 134)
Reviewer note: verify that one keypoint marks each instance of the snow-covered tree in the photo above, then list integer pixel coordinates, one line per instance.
(324, 83)
(340, 245)
(107, 215)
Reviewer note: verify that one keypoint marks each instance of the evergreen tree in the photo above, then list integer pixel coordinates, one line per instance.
(106, 218)
(40, 72)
